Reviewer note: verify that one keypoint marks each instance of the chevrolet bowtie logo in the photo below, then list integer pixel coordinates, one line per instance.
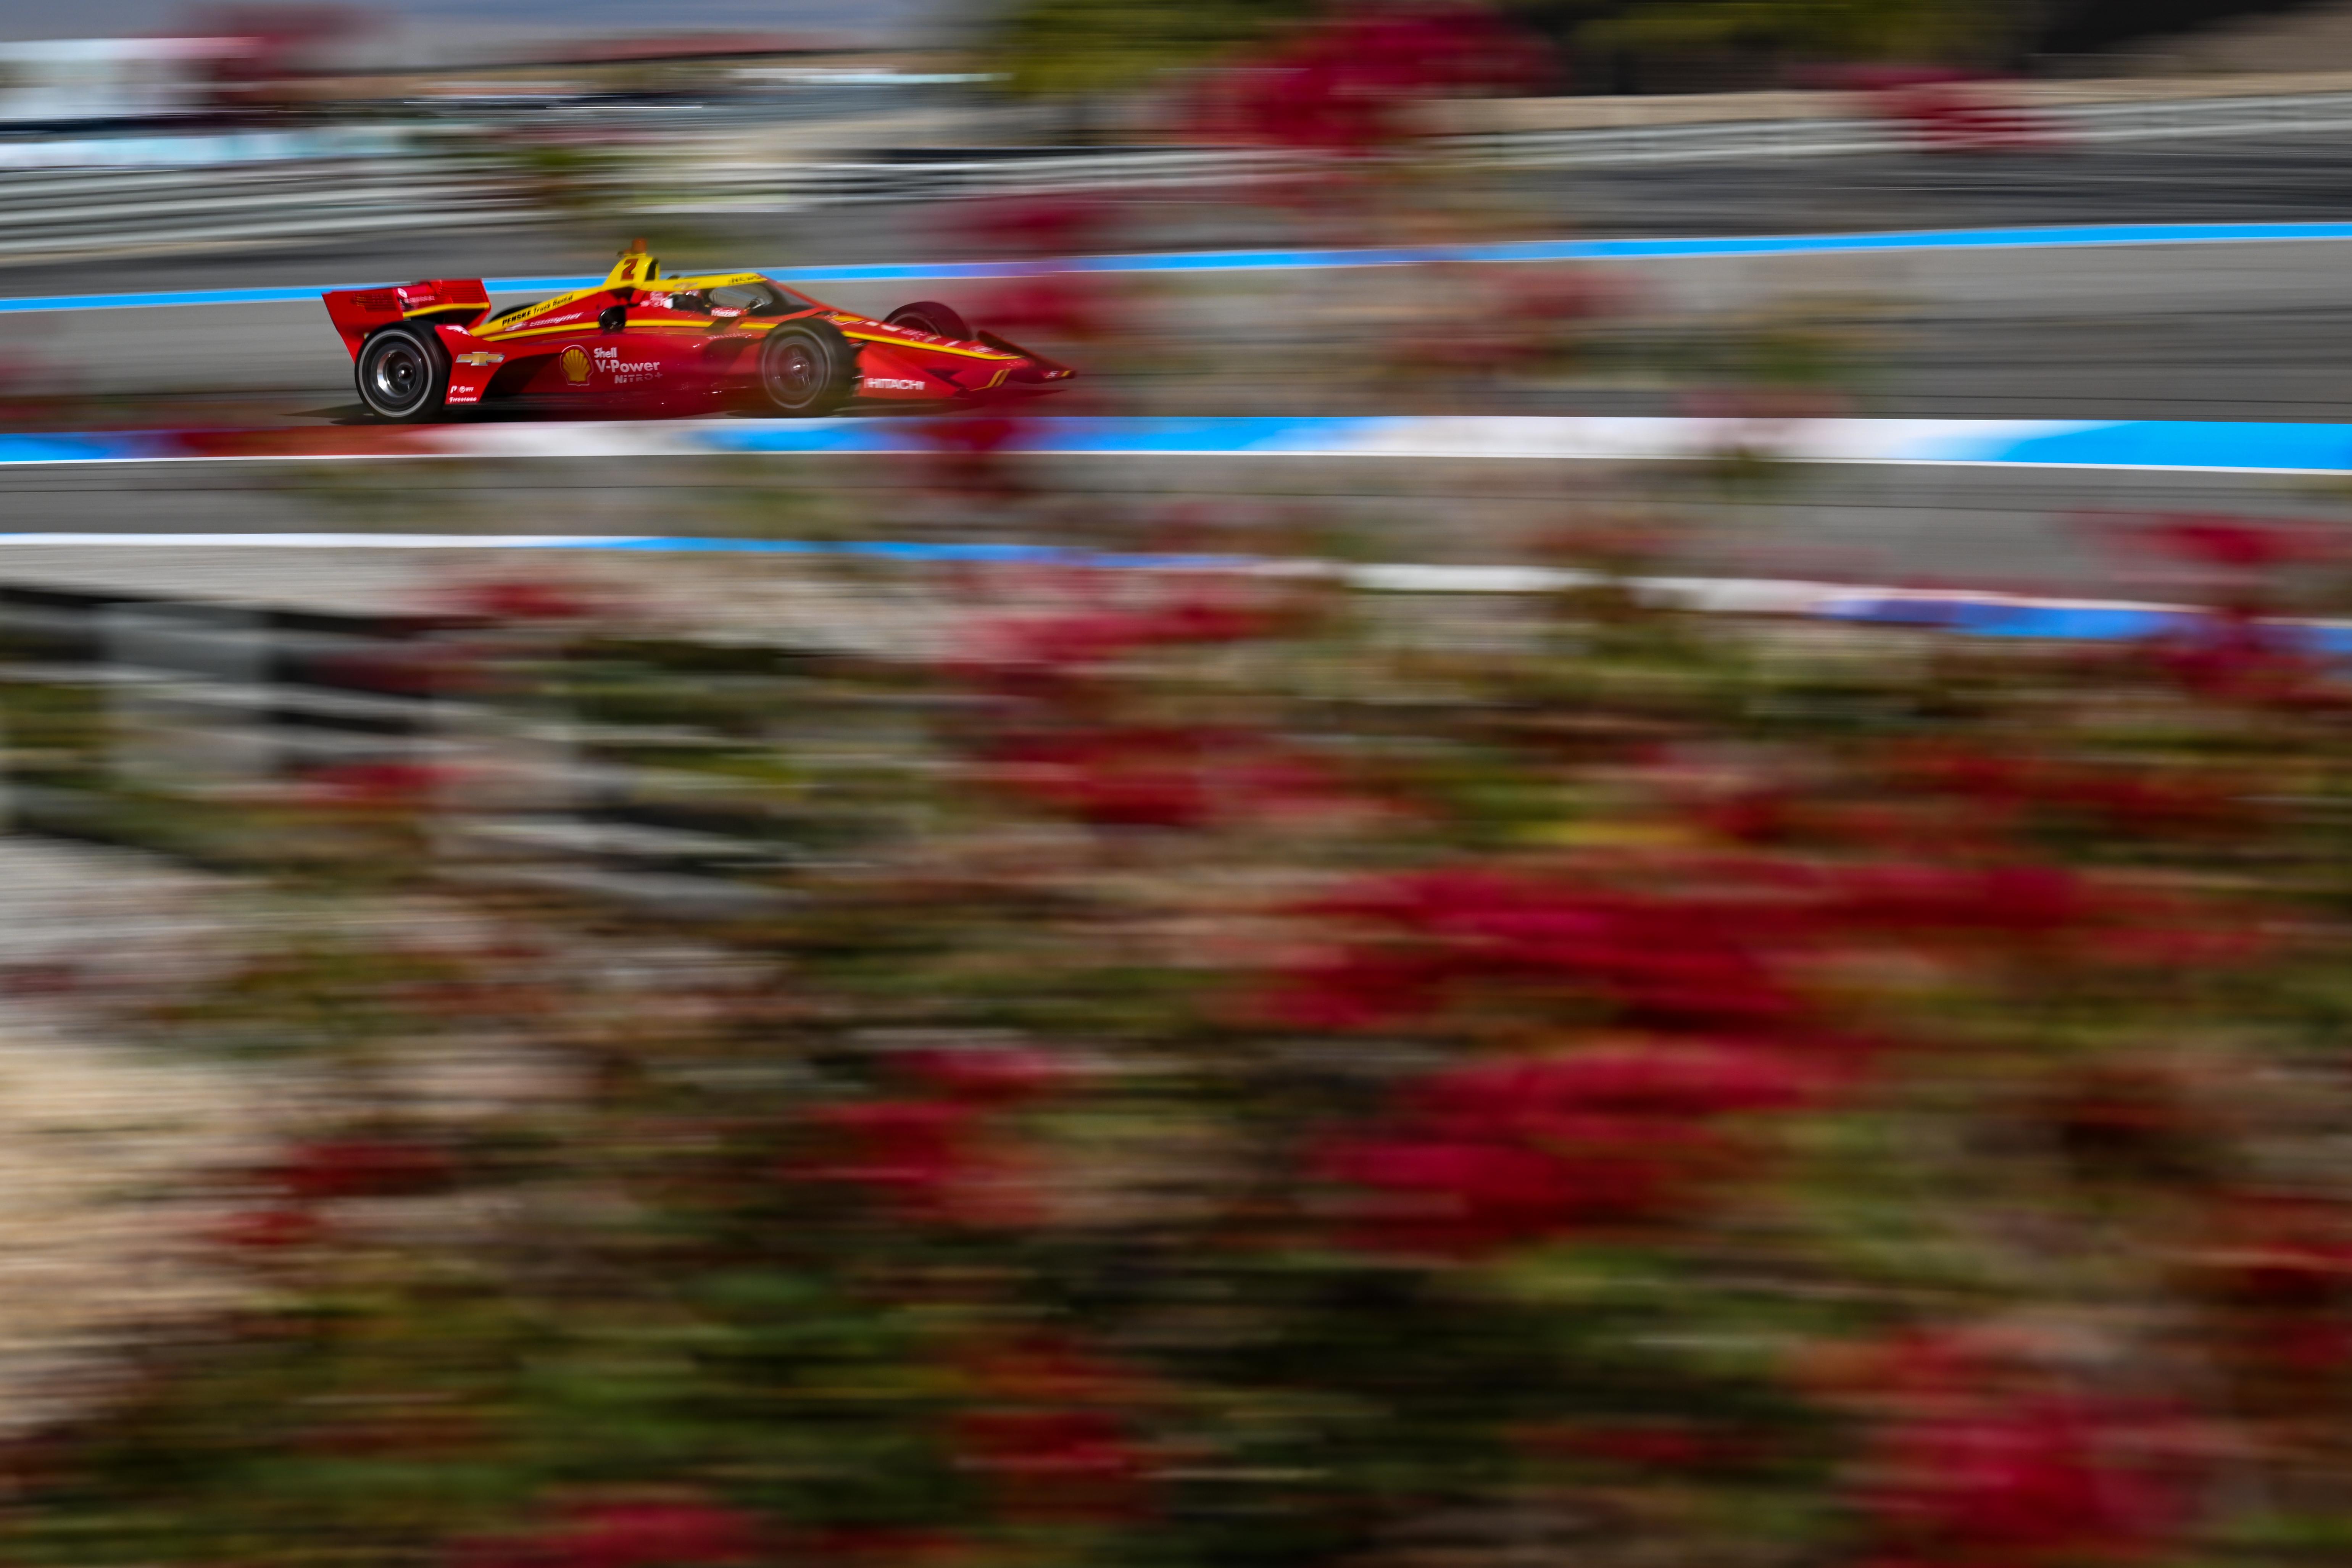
(479, 358)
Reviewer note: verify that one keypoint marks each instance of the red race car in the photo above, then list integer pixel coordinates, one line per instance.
(640, 343)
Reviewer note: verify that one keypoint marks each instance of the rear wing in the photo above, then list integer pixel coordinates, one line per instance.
(356, 312)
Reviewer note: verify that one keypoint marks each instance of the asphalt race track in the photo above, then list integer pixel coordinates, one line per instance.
(2227, 179)
(2243, 332)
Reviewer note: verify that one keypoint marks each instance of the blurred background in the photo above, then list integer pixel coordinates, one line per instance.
(1628, 843)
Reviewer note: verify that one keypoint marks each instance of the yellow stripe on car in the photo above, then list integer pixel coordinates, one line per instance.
(927, 348)
(536, 332)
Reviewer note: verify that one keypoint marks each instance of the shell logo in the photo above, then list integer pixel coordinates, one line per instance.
(575, 365)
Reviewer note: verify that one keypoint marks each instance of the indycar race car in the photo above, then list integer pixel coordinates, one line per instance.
(640, 343)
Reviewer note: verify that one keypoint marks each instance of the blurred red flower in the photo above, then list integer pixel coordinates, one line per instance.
(377, 785)
(1501, 1154)
(363, 1168)
(1666, 1077)
(1195, 614)
(2281, 1271)
(912, 1151)
(2233, 656)
(2233, 543)
(523, 599)
(1048, 1368)
(929, 1161)
(986, 1073)
(1662, 960)
(1666, 1445)
(408, 669)
(1055, 1464)
(886, 1545)
(659, 1535)
(2024, 901)
(270, 1229)
(1356, 987)
(1980, 1461)
(624, 1535)
(1133, 778)
(2134, 800)
(1167, 777)
(2023, 1482)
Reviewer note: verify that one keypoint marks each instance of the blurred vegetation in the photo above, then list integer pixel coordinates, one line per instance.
(1909, 31)
(1080, 47)
(1093, 48)
(1245, 1071)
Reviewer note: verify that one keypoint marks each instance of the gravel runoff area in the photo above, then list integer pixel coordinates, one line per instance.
(118, 1161)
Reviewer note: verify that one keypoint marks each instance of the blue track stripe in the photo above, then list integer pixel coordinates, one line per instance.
(960, 553)
(1219, 435)
(2140, 445)
(2063, 622)
(105, 447)
(2184, 445)
(2213, 444)
(2068, 236)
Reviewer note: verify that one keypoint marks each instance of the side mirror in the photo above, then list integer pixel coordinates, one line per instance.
(613, 319)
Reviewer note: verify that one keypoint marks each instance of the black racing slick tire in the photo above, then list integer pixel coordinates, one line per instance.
(931, 316)
(806, 368)
(403, 374)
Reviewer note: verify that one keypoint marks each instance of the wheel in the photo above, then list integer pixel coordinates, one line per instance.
(929, 316)
(403, 374)
(806, 367)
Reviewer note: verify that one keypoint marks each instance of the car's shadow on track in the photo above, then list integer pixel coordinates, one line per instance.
(357, 414)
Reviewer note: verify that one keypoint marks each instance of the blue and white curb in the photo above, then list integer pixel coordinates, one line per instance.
(2070, 236)
(2133, 445)
(2193, 446)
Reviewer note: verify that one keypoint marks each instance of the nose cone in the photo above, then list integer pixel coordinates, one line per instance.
(1039, 373)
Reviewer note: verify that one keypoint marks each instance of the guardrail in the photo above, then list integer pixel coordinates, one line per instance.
(745, 186)
(203, 150)
(1741, 141)
(55, 215)
(2158, 118)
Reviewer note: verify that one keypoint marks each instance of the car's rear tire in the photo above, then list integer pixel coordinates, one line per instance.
(403, 374)
(929, 316)
(806, 368)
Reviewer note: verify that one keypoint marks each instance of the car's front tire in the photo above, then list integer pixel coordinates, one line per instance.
(806, 368)
(403, 374)
(931, 316)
